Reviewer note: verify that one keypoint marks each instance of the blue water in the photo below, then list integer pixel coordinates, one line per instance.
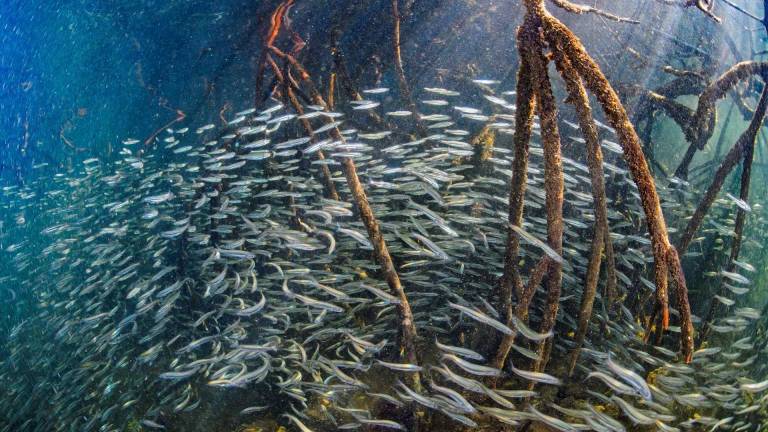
(79, 77)
(95, 71)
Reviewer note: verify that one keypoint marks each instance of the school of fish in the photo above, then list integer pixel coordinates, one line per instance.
(211, 265)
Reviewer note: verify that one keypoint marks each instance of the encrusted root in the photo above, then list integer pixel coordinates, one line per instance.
(577, 95)
(511, 282)
(664, 254)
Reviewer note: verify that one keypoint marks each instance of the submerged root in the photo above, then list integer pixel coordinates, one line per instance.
(405, 90)
(746, 141)
(560, 36)
(275, 25)
(179, 117)
(704, 119)
(511, 282)
(528, 74)
(533, 82)
(738, 230)
(748, 149)
(582, 9)
(521, 310)
(554, 189)
(577, 95)
(407, 331)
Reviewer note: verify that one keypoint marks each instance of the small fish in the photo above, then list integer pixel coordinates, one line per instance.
(383, 295)
(462, 352)
(374, 135)
(630, 377)
(435, 102)
(441, 91)
(735, 277)
(748, 312)
(486, 81)
(481, 317)
(378, 90)
(466, 110)
(157, 199)
(552, 421)
(253, 409)
(401, 113)
(472, 368)
(537, 376)
(151, 424)
(381, 423)
(528, 332)
(299, 424)
(633, 413)
(402, 367)
(745, 266)
(612, 382)
(366, 106)
(536, 242)
(740, 203)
